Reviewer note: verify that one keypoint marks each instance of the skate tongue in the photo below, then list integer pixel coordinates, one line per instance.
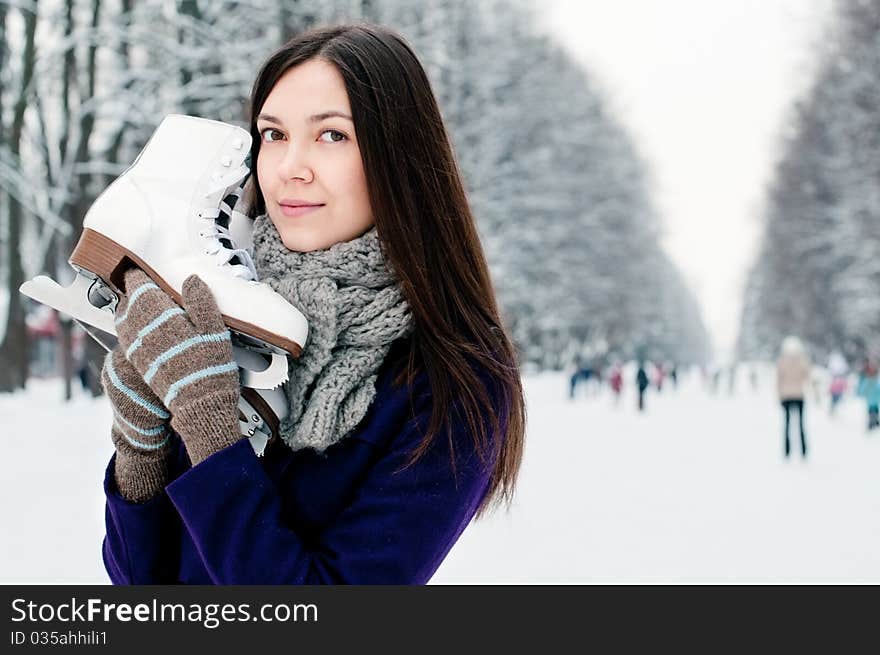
(223, 182)
(238, 258)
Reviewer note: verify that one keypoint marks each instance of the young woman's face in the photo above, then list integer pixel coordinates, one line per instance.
(309, 154)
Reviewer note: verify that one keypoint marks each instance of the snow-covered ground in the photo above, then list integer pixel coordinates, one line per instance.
(694, 490)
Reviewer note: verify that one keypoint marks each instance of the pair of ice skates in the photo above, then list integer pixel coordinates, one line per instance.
(178, 210)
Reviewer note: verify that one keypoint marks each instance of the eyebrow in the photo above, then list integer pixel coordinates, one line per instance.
(316, 118)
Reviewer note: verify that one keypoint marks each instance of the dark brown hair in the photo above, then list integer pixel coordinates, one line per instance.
(428, 235)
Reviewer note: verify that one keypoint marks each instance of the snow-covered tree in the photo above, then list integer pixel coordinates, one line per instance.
(558, 188)
(818, 273)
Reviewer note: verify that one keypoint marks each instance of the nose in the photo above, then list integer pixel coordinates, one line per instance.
(295, 164)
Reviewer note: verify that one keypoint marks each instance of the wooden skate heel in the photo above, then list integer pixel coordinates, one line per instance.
(108, 260)
(102, 256)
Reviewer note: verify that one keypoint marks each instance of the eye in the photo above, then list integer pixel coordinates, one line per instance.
(334, 134)
(268, 129)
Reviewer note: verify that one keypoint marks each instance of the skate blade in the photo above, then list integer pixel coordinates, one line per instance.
(255, 370)
(72, 300)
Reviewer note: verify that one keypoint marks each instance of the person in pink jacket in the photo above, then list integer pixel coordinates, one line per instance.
(792, 375)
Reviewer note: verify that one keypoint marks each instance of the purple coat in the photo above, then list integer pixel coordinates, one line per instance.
(344, 517)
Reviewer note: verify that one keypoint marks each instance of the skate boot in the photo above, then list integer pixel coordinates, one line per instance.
(161, 216)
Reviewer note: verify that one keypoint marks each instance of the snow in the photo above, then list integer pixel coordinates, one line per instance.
(53, 502)
(695, 490)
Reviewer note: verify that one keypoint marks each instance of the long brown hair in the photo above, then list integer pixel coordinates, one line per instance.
(428, 236)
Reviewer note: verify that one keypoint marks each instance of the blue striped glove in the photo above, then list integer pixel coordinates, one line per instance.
(185, 356)
(140, 430)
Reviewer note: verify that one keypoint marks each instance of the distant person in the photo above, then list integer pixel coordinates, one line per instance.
(673, 374)
(642, 383)
(731, 378)
(869, 389)
(82, 373)
(582, 372)
(659, 375)
(792, 374)
(615, 379)
(716, 378)
(838, 369)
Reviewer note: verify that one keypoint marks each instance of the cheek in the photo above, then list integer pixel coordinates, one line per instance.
(264, 170)
(356, 182)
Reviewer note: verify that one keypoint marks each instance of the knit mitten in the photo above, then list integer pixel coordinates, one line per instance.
(185, 356)
(140, 430)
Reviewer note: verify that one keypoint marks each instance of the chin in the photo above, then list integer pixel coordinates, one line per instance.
(302, 243)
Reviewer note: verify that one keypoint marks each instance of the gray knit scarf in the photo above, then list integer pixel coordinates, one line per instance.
(355, 309)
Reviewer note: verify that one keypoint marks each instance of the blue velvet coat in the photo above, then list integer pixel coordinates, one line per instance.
(342, 517)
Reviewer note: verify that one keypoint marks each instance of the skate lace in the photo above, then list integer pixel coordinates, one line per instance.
(223, 255)
(216, 234)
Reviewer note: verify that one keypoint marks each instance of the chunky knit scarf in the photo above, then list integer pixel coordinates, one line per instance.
(355, 309)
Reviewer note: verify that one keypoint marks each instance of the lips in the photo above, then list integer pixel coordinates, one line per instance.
(296, 202)
(298, 210)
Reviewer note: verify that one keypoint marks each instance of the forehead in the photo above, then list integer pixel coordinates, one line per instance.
(310, 88)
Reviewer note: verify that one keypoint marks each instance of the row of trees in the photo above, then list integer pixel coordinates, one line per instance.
(84, 84)
(818, 275)
(563, 201)
(559, 191)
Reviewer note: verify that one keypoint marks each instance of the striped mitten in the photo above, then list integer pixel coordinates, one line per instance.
(185, 356)
(140, 430)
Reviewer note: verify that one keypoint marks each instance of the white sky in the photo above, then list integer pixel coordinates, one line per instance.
(704, 87)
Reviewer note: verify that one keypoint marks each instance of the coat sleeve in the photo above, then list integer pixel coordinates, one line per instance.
(397, 529)
(142, 540)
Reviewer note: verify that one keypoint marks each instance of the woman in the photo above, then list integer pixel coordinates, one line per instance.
(869, 389)
(406, 415)
(792, 373)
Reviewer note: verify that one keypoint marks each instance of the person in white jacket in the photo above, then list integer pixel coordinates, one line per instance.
(792, 374)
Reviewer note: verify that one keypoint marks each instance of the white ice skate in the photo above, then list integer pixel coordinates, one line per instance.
(161, 216)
